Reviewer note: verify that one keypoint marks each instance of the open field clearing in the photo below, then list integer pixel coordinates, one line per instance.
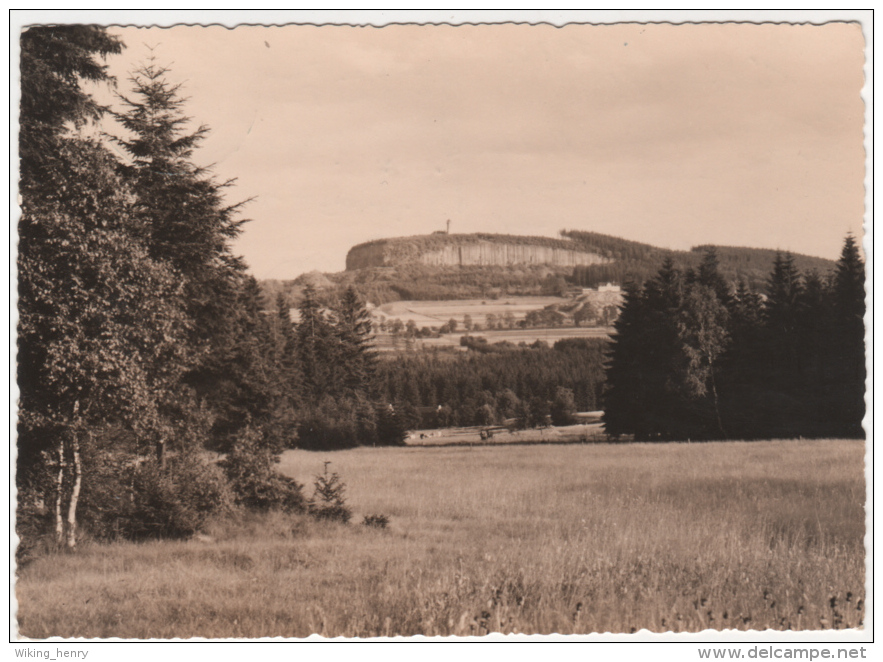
(437, 313)
(533, 539)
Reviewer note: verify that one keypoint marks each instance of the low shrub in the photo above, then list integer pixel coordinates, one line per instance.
(255, 483)
(376, 521)
(328, 502)
(175, 501)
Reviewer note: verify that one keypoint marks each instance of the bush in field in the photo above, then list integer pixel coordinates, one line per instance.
(328, 500)
(376, 521)
(563, 407)
(486, 415)
(539, 412)
(255, 483)
(177, 500)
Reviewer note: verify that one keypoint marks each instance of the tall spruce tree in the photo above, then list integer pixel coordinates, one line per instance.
(185, 223)
(783, 411)
(709, 275)
(247, 385)
(285, 356)
(815, 324)
(315, 348)
(358, 358)
(663, 398)
(848, 342)
(624, 395)
(742, 365)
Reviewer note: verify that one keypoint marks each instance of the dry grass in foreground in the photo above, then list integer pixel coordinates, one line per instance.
(567, 539)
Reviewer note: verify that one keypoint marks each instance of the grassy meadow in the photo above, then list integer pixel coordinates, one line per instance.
(531, 539)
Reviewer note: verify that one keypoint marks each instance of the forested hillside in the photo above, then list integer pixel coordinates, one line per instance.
(407, 279)
(632, 261)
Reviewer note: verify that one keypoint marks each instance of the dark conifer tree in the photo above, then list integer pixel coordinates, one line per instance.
(624, 395)
(663, 399)
(742, 366)
(284, 344)
(848, 342)
(358, 358)
(315, 348)
(185, 223)
(248, 388)
(709, 275)
(184, 214)
(782, 410)
(815, 319)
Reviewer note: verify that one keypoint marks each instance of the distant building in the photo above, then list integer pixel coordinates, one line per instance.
(607, 287)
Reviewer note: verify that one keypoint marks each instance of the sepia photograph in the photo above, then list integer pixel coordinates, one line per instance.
(409, 329)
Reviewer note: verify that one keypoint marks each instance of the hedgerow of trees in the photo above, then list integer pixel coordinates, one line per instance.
(493, 383)
(693, 358)
(143, 343)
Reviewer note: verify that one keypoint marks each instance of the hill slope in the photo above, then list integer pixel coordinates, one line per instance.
(488, 266)
(634, 261)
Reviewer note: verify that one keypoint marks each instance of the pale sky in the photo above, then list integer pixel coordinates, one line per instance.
(735, 134)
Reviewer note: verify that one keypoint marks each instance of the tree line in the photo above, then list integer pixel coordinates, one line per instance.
(419, 282)
(634, 261)
(693, 358)
(495, 382)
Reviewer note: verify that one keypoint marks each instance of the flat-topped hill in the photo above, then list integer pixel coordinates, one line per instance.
(481, 250)
(488, 266)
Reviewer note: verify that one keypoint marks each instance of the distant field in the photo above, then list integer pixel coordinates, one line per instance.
(530, 539)
(436, 313)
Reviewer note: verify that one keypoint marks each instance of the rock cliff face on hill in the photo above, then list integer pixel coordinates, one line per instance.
(469, 250)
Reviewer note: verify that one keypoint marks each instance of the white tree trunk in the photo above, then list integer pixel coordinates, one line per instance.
(75, 494)
(59, 498)
(161, 453)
